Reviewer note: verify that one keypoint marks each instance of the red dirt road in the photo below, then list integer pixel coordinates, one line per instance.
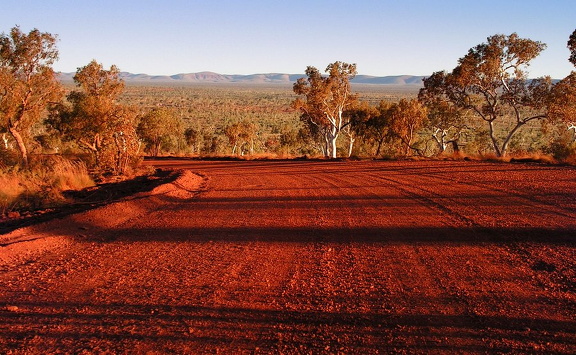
(305, 257)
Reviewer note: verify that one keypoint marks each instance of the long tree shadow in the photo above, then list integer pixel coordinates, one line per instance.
(169, 326)
(359, 235)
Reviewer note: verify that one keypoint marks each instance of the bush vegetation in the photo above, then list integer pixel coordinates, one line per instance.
(485, 107)
(42, 184)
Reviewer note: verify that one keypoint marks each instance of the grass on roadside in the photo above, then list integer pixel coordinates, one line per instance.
(42, 184)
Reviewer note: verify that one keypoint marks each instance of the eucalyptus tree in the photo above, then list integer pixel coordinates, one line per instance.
(360, 116)
(405, 119)
(325, 99)
(562, 103)
(446, 121)
(376, 129)
(242, 137)
(159, 126)
(28, 83)
(95, 120)
(193, 137)
(492, 83)
(572, 47)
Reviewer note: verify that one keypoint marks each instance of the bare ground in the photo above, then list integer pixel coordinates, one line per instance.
(304, 257)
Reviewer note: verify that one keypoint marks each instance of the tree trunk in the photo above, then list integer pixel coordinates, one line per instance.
(350, 146)
(333, 148)
(121, 153)
(380, 141)
(21, 145)
(572, 126)
(5, 139)
(155, 149)
(408, 143)
(409, 140)
(455, 146)
(324, 149)
(332, 145)
(93, 148)
(439, 138)
(494, 140)
(509, 138)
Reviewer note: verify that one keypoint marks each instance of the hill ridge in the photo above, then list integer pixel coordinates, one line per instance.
(259, 78)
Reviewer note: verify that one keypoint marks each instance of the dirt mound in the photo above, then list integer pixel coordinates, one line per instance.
(78, 221)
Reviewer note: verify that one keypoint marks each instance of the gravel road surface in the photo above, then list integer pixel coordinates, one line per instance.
(355, 257)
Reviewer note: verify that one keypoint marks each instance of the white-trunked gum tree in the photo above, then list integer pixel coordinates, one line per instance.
(325, 99)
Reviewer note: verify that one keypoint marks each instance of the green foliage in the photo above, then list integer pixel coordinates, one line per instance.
(242, 137)
(563, 148)
(405, 119)
(324, 101)
(374, 130)
(159, 127)
(27, 82)
(491, 83)
(293, 141)
(207, 110)
(361, 117)
(562, 101)
(194, 139)
(478, 143)
(446, 121)
(96, 122)
(572, 48)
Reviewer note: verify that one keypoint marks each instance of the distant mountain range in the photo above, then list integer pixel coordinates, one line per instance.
(272, 78)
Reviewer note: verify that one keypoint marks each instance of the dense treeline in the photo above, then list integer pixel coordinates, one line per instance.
(485, 105)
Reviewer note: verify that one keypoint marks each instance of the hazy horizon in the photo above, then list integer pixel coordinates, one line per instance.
(384, 38)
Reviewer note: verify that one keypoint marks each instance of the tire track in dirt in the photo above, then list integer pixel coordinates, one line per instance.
(527, 253)
(405, 281)
(292, 257)
(445, 269)
(421, 264)
(498, 301)
(558, 263)
(504, 190)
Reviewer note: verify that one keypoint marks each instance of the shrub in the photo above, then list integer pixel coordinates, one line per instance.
(563, 148)
(41, 186)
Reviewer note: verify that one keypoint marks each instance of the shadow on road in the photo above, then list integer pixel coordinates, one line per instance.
(363, 235)
(166, 325)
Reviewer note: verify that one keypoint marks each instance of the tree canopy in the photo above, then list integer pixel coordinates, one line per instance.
(27, 82)
(406, 118)
(158, 126)
(325, 98)
(446, 120)
(479, 106)
(241, 136)
(95, 120)
(562, 103)
(491, 81)
(572, 48)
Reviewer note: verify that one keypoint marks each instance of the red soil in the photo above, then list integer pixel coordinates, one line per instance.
(304, 257)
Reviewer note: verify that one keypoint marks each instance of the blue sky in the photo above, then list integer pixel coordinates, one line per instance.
(386, 37)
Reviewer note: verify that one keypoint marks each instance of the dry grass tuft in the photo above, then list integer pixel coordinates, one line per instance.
(41, 186)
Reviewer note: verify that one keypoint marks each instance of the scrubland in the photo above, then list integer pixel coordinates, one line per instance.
(207, 111)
